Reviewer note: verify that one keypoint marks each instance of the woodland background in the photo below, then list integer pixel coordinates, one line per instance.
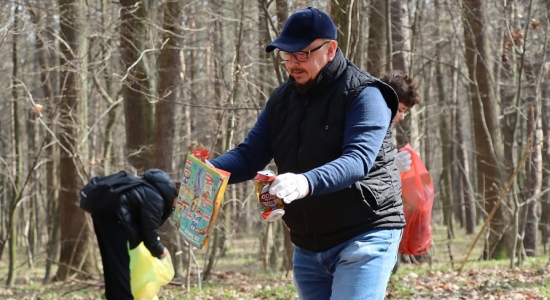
(93, 87)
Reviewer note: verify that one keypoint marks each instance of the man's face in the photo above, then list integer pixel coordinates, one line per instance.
(401, 110)
(305, 72)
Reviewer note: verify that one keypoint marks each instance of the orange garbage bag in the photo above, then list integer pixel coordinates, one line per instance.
(418, 197)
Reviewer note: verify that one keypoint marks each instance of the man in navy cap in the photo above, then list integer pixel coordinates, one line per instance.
(328, 129)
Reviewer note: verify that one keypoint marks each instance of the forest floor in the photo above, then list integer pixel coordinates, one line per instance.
(240, 275)
(410, 282)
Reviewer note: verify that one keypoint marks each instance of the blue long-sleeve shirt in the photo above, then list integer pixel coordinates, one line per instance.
(366, 123)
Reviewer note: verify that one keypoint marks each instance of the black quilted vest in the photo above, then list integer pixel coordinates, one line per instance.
(307, 131)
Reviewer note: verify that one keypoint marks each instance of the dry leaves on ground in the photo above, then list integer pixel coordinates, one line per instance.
(492, 283)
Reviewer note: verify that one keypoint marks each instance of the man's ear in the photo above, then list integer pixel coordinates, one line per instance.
(332, 47)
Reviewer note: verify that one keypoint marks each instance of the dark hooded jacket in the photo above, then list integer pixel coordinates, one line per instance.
(144, 209)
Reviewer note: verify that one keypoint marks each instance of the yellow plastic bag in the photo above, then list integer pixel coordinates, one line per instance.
(148, 274)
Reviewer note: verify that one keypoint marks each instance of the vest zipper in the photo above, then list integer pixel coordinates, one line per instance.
(306, 103)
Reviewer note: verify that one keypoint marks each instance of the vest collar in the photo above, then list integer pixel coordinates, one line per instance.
(330, 73)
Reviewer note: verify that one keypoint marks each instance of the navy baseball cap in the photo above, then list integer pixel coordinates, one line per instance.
(302, 28)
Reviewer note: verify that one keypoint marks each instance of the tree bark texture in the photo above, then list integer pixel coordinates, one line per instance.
(376, 51)
(488, 137)
(165, 107)
(75, 255)
(138, 110)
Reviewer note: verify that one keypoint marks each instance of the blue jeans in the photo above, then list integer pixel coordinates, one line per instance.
(359, 268)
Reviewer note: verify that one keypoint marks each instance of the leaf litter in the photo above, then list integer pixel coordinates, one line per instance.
(494, 283)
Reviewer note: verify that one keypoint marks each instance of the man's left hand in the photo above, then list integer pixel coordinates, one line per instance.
(289, 187)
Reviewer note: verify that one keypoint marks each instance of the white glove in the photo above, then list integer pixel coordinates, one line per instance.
(403, 160)
(289, 187)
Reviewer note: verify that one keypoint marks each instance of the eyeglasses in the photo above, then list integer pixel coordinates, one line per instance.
(301, 56)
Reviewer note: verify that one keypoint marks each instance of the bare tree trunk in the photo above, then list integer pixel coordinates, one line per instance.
(108, 94)
(401, 40)
(189, 71)
(465, 187)
(18, 154)
(458, 188)
(545, 197)
(400, 35)
(545, 219)
(376, 50)
(33, 226)
(281, 7)
(345, 15)
(75, 256)
(467, 190)
(446, 131)
(42, 37)
(282, 15)
(137, 109)
(534, 173)
(462, 187)
(169, 78)
(218, 60)
(413, 122)
(535, 164)
(488, 137)
(288, 252)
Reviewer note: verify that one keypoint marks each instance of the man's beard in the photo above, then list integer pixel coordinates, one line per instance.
(303, 89)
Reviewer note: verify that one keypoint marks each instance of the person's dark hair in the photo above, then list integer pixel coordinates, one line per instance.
(404, 86)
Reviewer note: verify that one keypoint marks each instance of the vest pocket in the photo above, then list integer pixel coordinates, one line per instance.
(369, 197)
